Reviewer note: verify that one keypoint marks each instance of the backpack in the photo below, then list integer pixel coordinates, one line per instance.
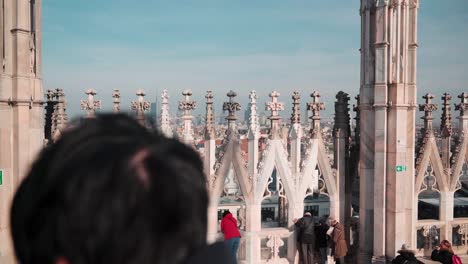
(456, 260)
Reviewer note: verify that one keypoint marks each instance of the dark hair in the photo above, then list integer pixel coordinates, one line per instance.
(110, 191)
(226, 212)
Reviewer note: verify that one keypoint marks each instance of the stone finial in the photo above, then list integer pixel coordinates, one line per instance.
(187, 105)
(116, 96)
(463, 108)
(209, 123)
(275, 107)
(50, 114)
(90, 105)
(428, 108)
(342, 118)
(232, 107)
(141, 106)
(357, 131)
(463, 105)
(254, 126)
(315, 107)
(60, 118)
(165, 116)
(446, 120)
(296, 112)
(50, 95)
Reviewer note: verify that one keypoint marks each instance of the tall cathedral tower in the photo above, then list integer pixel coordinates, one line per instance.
(21, 99)
(387, 148)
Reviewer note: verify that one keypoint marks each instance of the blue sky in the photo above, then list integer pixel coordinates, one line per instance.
(302, 45)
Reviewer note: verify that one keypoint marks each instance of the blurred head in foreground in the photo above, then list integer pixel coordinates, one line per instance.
(110, 191)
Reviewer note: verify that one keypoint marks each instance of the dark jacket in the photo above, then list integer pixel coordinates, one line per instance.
(306, 230)
(406, 257)
(321, 238)
(229, 227)
(213, 254)
(443, 256)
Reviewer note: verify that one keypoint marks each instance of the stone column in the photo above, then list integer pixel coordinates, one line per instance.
(165, 116)
(90, 105)
(209, 162)
(21, 103)
(116, 96)
(341, 156)
(295, 134)
(366, 155)
(253, 135)
(187, 106)
(231, 107)
(253, 209)
(141, 106)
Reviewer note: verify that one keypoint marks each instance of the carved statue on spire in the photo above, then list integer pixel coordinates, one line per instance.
(116, 96)
(90, 105)
(231, 107)
(428, 108)
(296, 112)
(165, 116)
(315, 106)
(187, 105)
(275, 107)
(254, 126)
(60, 116)
(141, 106)
(209, 123)
(463, 105)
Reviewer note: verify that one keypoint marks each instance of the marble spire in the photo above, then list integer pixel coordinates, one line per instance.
(165, 116)
(116, 96)
(274, 107)
(141, 106)
(90, 105)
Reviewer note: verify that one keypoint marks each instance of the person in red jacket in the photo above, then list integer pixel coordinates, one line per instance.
(231, 233)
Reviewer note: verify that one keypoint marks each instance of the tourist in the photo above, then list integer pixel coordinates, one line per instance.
(443, 253)
(231, 233)
(406, 256)
(110, 191)
(339, 247)
(322, 240)
(306, 238)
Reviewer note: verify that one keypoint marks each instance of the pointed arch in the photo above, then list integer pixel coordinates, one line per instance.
(231, 159)
(431, 157)
(461, 158)
(275, 156)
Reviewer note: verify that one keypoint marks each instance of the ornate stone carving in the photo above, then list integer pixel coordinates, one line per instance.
(428, 108)
(275, 107)
(90, 105)
(296, 111)
(254, 127)
(116, 96)
(274, 243)
(209, 120)
(446, 120)
(60, 117)
(165, 118)
(141, 106)
(232, 107)
(463, 105)
(315, 106)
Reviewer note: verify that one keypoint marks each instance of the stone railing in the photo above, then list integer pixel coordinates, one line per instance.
(273, 244)
(427, 236)
(460, 236)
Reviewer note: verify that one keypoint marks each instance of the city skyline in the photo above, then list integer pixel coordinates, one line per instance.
(223, 45)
